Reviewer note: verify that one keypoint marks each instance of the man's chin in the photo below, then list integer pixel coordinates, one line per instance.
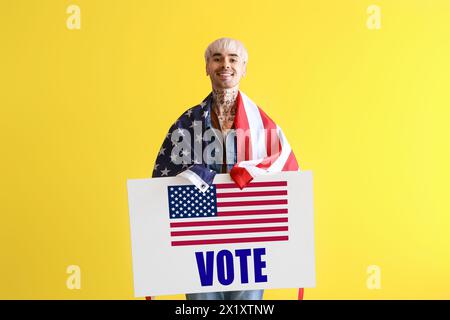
(226, 85)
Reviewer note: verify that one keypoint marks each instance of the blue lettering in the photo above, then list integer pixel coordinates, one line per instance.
(205, 270)
(259, 264)
(243, 254)
(225, 266)
(225, 257)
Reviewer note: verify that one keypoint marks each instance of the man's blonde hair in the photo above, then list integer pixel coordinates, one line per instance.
(227, 44)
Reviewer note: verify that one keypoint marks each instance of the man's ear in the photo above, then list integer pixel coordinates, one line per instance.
(206, 68)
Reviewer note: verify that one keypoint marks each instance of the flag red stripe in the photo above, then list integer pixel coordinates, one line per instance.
(225, 222)
(251, 212)
(252, 184)
(252, 194)
(243, 134)
(251, 203)
(271, 129)
(291, 163)
(225, 231)
(234, 240)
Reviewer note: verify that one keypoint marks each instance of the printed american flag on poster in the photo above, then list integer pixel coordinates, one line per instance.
(226, 214)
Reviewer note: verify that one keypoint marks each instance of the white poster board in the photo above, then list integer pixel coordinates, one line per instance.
(186, 241)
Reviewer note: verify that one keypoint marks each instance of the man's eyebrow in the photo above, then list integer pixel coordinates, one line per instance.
(219, 54)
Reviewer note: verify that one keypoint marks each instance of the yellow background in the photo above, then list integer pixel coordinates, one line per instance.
(366, 110)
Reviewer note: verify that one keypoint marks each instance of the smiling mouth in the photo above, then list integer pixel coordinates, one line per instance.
(225, 75)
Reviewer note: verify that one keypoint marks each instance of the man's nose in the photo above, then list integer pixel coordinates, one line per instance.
(226, 64)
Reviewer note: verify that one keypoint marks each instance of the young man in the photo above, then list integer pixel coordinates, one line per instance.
(226, 133)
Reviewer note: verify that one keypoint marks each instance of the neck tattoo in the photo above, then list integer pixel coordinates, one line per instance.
(224, 104)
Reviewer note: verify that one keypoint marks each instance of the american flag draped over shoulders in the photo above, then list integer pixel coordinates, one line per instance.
(261, 145)
(189, 120)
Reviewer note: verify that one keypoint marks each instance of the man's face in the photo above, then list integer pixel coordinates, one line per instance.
(225, 69)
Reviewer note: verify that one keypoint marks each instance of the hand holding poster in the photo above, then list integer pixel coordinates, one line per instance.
(187, 241)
